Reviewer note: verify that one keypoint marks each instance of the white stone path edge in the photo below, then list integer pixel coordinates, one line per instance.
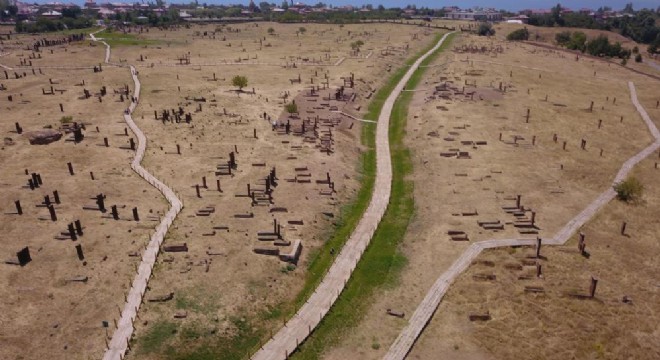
(422, 315)
(122, 335)
(296, 330)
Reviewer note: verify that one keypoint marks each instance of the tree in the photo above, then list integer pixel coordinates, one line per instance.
(629, 9)
(13, 10)
(356, 45)
(563, 38)
(518, 35)
(629, 190)
(239, 81)
(556, 15)
(485, 29)
(71, 12)
(578, 41)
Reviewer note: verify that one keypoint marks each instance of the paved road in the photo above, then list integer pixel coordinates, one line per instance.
(310, 314)
(122, 335)
(427, 307)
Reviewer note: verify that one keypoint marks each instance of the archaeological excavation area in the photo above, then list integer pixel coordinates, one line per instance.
(263, 171)
(182, 192)
(511, 142)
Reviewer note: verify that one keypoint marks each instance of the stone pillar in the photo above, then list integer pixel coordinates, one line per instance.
(592, 288)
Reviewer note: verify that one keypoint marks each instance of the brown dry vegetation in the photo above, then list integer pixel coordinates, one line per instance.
(239, 287)
(445, 187)
(555, 325)
(39, 305)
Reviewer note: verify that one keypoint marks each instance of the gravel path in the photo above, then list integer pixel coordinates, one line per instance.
(122, 335)
(427, 307)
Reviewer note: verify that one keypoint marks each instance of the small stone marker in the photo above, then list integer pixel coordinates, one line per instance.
(24, 256)
(592, 288)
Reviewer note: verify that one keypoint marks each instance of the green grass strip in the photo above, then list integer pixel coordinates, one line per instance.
(381, 262)
(120, 39)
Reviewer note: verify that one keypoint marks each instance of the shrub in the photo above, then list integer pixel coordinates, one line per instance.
(291, 108)
(66, 119)
(578, 41)
(485, 29)
(638, 58)
(239, 81)
(563, 38)
(356, 45)
(271, 31)
(629, 190)
(518, 35)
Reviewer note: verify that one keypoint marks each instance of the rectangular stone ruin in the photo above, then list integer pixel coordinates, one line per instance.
(267, 251)
(479, 316)
(534, 289)
(293, 254)
(458, 235)
(399, 314)
(205, 211)
(176, 248)
(484, 277)
(491, 225)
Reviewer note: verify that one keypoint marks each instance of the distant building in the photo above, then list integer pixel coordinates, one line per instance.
(469, 15)
(520, 19)
(52, 14)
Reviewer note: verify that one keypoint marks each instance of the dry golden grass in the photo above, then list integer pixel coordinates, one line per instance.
(39, 305)
(501, 169)
(65, 318)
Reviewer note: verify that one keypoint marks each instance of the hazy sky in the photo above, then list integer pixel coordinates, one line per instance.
(499, 4)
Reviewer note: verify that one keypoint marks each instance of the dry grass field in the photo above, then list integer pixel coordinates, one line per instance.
(464, 174)
(41, 305)
(546, 35)
(473, 152)
(223, 292)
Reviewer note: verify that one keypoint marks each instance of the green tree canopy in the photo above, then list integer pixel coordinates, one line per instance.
(239, 81)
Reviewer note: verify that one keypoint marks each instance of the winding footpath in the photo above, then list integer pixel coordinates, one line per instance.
(429, 304)
(319, 303)
(122, 335)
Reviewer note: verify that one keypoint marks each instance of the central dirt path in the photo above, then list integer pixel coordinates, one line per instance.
(427, 307)
(122, 335)
(319, 303)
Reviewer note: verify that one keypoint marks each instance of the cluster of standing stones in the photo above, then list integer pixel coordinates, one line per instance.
(74, 230)
(315, 127)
